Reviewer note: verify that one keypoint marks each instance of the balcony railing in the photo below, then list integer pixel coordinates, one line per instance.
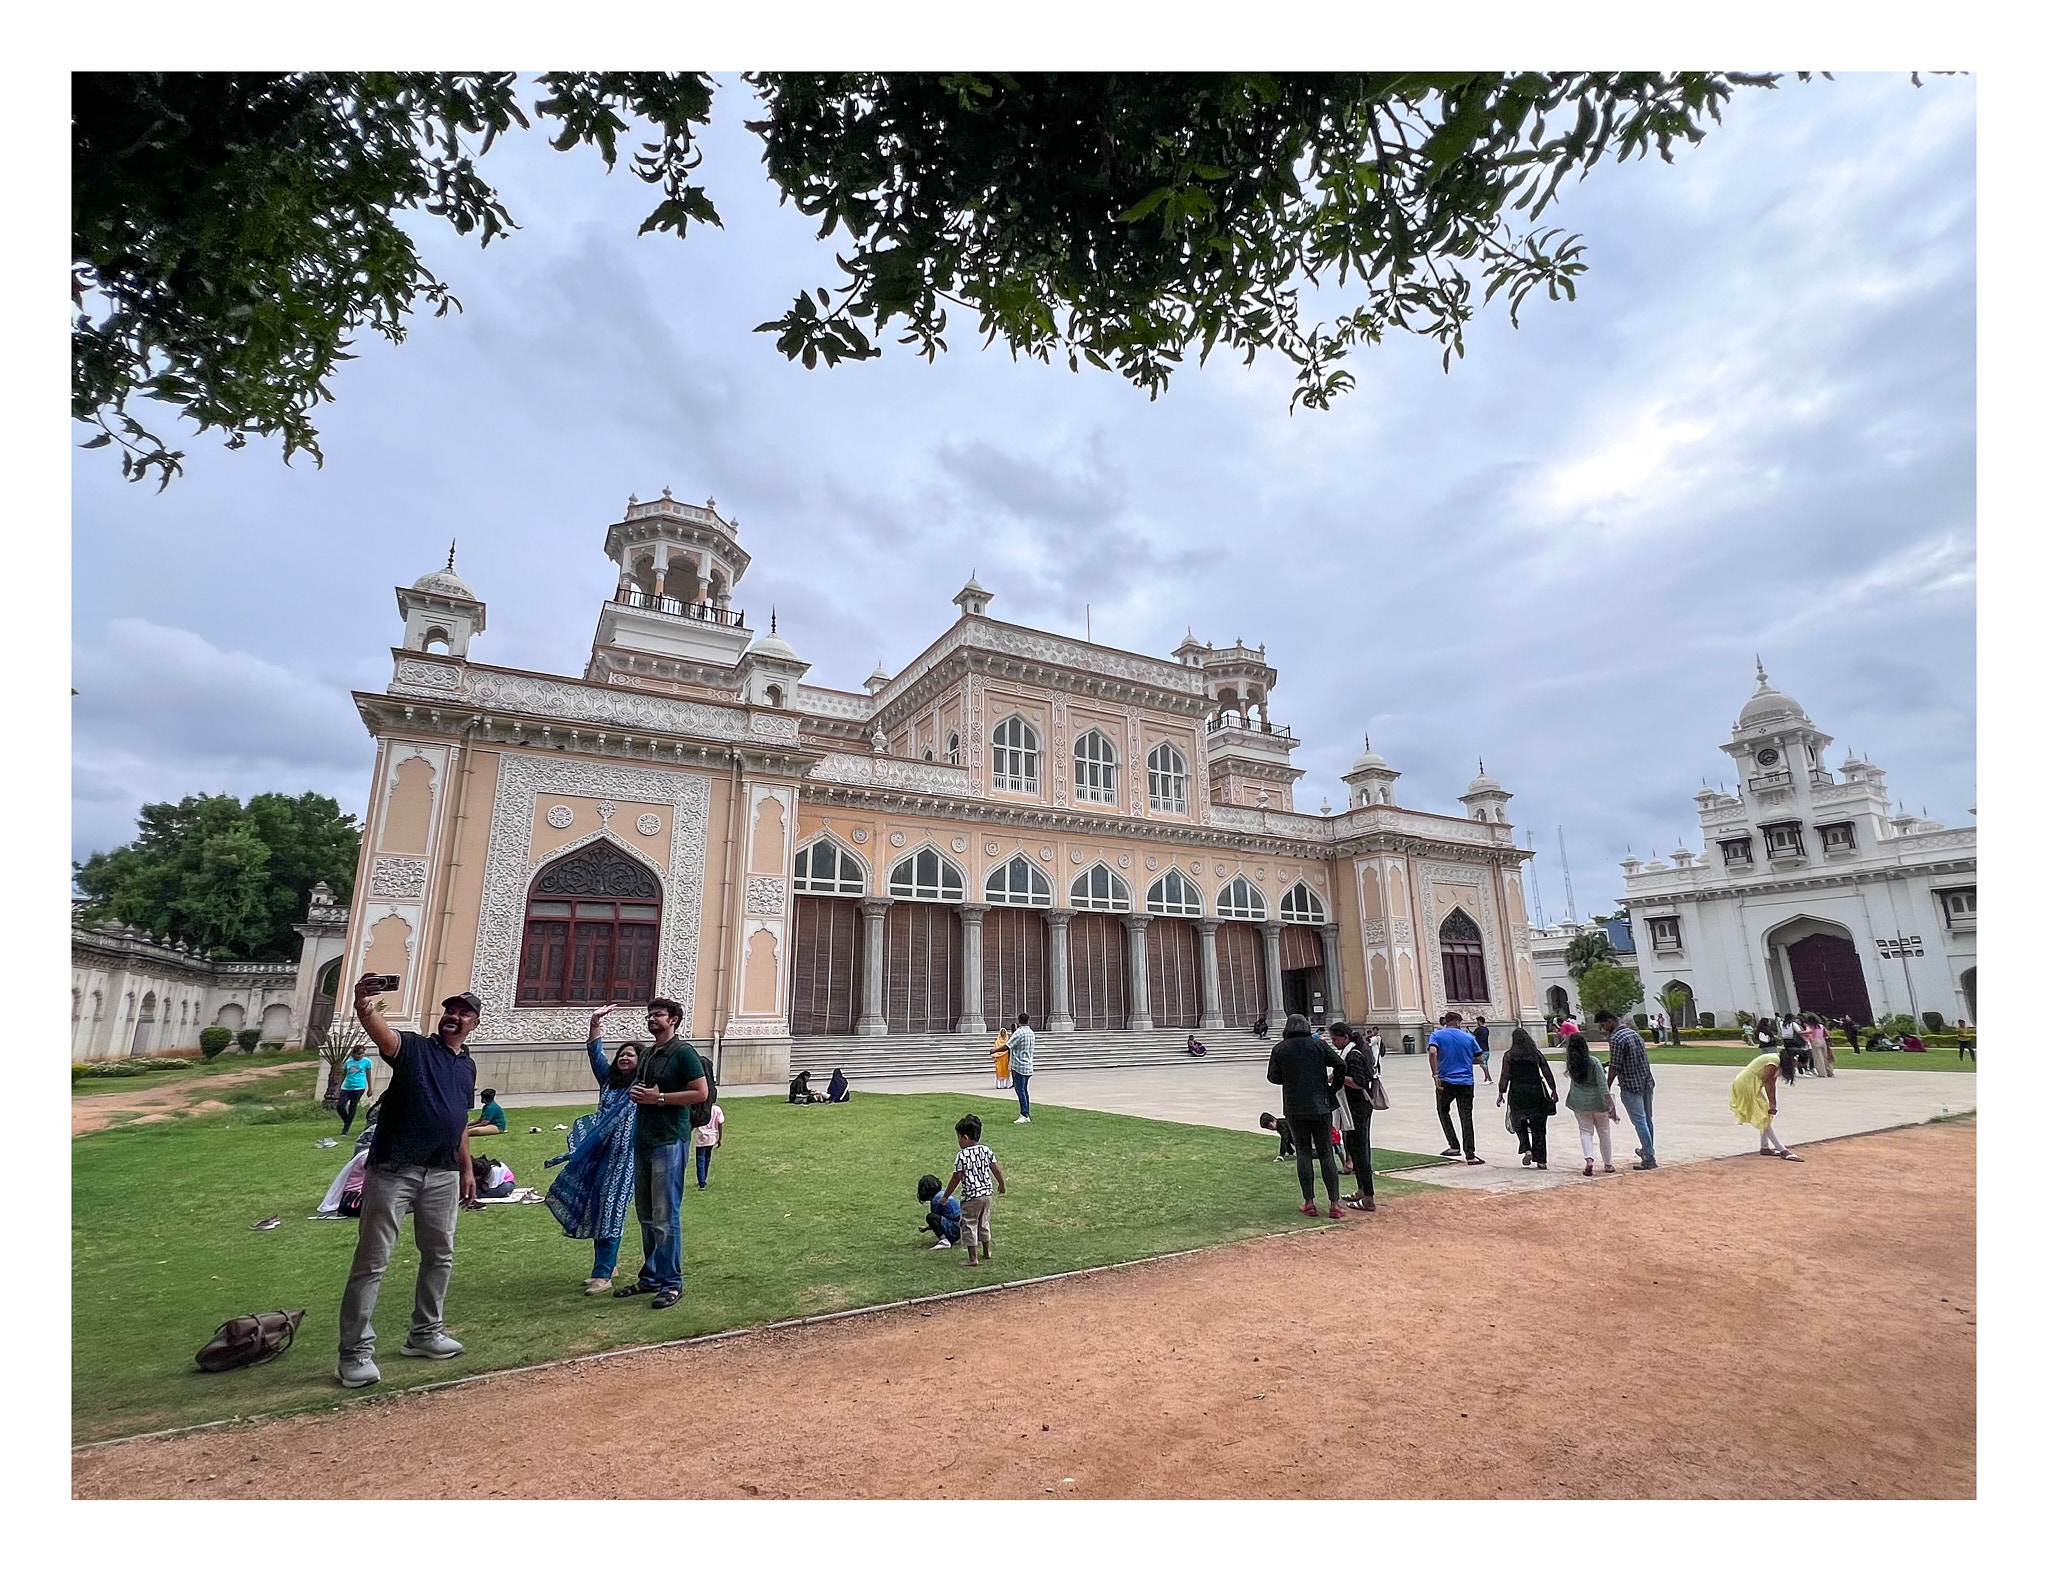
(1230, 720)
(691, 610)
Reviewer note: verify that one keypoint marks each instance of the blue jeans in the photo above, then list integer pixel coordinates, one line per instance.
(604, 1258)
(1638, 1106)
(658, 1199)
(1023, 1085)
(703, 1166)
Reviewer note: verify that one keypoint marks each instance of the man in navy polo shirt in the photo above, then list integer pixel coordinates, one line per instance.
(419, 1163)
(1452, 1053)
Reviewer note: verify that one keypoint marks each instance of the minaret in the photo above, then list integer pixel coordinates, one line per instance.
(441, 612)
(1371, 780)
(1486, 798)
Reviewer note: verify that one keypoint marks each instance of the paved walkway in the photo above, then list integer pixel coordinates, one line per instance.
(1691, 1110)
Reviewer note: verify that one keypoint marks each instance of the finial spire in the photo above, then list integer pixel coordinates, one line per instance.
(451, 557)
(1482, 766)
(1762, 681)
(771, 622)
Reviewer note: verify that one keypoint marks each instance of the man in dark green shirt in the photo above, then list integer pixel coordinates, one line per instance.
(672, 1077)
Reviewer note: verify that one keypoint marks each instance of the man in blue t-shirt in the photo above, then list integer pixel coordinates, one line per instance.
(1452, 1053)
(418, 1163)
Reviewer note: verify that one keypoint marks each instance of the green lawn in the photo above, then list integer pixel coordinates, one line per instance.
(1738, 1054)
(199, 1071)
(810, 1209)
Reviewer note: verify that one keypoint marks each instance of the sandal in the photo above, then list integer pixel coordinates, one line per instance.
(631, 1289)
(665, 1298)
(1589, 1168)
(1308, 1209)
(1792, 1157)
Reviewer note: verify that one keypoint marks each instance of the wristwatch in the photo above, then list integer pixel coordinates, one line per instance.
(661, 1097)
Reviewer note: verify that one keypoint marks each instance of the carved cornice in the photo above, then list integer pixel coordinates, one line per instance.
(1048, 660)
(1961, 867)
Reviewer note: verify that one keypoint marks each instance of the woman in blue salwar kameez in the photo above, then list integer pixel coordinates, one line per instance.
(594, 1191)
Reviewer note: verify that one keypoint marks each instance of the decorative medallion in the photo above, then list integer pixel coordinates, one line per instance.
(896, 837)
(1045, 854)
(1152, 864)
(959, 843)
(1259, 873)
(859, 835)
(1123, 860)
(648, 824)
(991, 848)
(1076, 857)
(1194, 867)
(561, 816)
(605, 810)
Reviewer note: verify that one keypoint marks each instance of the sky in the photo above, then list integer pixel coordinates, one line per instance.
(1752, 434)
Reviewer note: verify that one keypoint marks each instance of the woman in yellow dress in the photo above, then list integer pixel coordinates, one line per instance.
(1754, 1097)
(1001, 1054)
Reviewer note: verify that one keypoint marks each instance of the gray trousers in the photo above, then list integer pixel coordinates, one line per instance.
(434, 1198)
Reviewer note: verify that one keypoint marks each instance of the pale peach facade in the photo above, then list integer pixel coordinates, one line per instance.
(1015, 821)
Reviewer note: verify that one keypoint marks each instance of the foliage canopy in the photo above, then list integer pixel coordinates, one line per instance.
(1588, 950)
(1613, 988)
(234, 233)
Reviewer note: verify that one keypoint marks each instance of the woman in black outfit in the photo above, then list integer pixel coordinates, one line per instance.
(1360, 1067)
(1530, 1091)
(1309, 1073)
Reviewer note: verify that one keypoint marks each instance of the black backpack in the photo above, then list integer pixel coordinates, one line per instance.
(700, 1113)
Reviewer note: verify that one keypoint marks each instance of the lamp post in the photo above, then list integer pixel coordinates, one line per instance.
(1900, 947)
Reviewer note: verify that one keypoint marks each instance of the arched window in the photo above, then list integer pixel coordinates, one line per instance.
(99, 1004)
(1166, 771)
(1174, 896)
(952, 747)
(1016, 756)
(1099, 890)
(1239, 902)
(77, 1004)
(1094, 768)
(928, 756)
(436, 641)
(774, 696)
(825, 869)
(1464, 959)
(1018, 883)
(593, 922)
(926, 876)
(1298, 903)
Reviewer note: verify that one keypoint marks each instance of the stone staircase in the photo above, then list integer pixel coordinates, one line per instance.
(949, 1053)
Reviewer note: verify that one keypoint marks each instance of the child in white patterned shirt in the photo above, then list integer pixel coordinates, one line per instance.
(980, 1178)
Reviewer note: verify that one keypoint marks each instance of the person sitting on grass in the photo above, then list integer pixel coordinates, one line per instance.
(980, 1178)
(1277, 1124)
(800, 1089)
(490, 1119)
(494, 1180)
(942, 1213)
(835, 1089)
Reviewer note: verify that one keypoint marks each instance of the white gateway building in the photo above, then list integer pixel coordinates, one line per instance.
(1812, 893)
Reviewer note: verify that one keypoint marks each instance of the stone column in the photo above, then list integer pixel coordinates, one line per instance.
(1333, 973)
(1276, 997)
(1060, 1016)
(1135, 924)
(970, 968)
(872, 1022)
(1212, 987)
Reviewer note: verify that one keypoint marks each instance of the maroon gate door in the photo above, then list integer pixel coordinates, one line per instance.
(1012, 967)
(824, 994)
(1173, 972)
(1095, 963)
(1828, 977)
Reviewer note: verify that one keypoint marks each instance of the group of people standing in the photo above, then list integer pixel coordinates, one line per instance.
(1529, 1090)
(1328, 1083)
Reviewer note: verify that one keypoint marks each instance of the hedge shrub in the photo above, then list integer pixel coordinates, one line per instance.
(248, 1037)
(1932, 1020)
(213, 1041)
(1707, 1019)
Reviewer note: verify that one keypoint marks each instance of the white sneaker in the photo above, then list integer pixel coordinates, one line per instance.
(943, 1244)
(1025, 1120)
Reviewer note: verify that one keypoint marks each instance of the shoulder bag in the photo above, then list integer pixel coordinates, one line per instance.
(249, 1340)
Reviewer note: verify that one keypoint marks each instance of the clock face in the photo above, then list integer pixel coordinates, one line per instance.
(1768, 757)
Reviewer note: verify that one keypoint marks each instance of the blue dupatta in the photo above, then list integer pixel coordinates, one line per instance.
(593, 1192)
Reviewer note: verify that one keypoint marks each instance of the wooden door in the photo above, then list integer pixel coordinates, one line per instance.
(1097, 955)
(825, 978)
(1828, 977)
(1173, 966)
(921, 978)
(1241, 973)
(1300, 948)
(1012, 966)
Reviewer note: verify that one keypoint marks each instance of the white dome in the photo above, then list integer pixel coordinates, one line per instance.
(444, 581)
(1483, 782)
(1768, 704)
(1369, 760)
(773, 645)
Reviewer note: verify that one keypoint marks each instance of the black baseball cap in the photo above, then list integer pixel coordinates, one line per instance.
(464, 1001)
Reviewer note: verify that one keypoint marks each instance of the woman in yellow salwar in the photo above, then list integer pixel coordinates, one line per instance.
(1001, 1054)
(1754, 1097)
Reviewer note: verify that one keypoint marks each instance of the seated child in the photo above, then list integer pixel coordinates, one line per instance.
(942, 1220)
(490, 1117)
(494, 1180)
(1275, 1122)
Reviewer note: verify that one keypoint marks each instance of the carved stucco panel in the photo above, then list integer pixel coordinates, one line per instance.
(398, 878)
(765, 897)
(510, 868)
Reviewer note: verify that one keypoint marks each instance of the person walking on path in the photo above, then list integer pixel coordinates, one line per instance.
(1023, 1042)
(707, 1138)
(1452, 1053)
(1361, 1069)
(590, 1195)
(418, 1163)
(1966, 1041)
(1481, 1036)
(1590, 1101)
(1309, 1074)
(1817, 1041)
(355, 1084)
(1854, 1033)
(1001, 1054)
(671, 1079)
(1754, 1098)
(1628, 1070)
(1530, 1091)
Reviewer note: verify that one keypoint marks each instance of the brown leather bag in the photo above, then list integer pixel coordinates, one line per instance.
(250, 1340)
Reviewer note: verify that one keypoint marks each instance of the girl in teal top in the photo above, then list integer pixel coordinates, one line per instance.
(1589, 1101)
(355, 1081)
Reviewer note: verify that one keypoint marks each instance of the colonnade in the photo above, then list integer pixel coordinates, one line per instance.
(872, 1020)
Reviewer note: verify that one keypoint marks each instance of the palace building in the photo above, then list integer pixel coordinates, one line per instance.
(1813, 893)
(878, 877)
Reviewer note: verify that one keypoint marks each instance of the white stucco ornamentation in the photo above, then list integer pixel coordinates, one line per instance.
(605, 810)
(896, 838)
(770, 1026)
(959, 843)
(868, 769)
(783, 727)
(510, 868)
(648, 824)
(765, 897)
(859, 835)
(427, 674)
(559, 699)
(398, 878)
(561, 816)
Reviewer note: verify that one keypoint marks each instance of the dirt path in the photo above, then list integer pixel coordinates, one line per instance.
(97, 1112)
(1800, 1331)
